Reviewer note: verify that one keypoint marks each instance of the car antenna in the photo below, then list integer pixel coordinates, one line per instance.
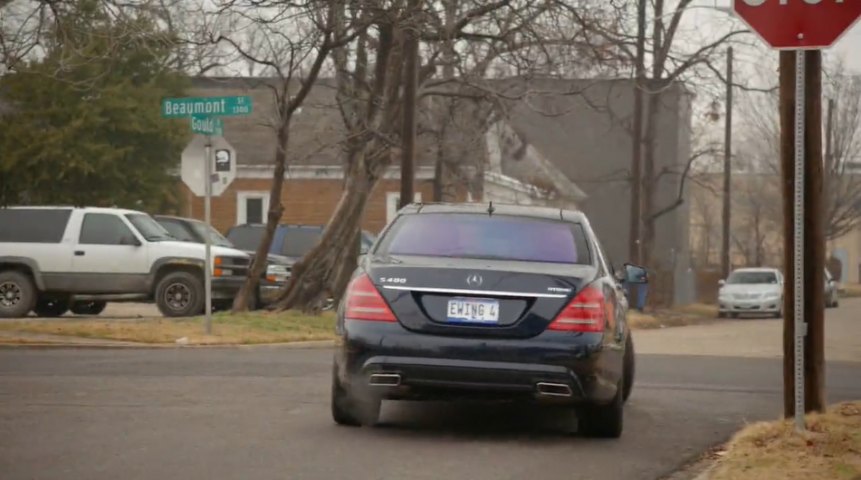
(490, 208)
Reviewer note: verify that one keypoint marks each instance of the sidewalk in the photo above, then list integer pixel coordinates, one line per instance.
(32, 340)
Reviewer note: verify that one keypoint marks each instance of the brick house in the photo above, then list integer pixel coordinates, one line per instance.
(314, 178)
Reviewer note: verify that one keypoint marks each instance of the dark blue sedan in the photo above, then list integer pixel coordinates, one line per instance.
(490, 302)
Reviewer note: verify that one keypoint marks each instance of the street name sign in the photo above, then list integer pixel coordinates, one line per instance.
(799, 24)
(206, 106)
(204, 125)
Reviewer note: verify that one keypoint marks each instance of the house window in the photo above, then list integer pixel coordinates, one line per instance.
(392, 200)
(251, 207)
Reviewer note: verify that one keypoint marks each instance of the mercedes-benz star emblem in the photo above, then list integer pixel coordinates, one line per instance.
(474, 280)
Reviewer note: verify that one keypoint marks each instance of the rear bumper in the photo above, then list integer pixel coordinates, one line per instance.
(398, 364)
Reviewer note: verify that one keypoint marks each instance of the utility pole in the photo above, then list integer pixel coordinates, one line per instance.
(809, 230)
(727, 169)
(829, 162)
(410, 79)
(634, 243)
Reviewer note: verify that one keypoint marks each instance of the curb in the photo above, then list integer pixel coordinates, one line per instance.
(313, 344)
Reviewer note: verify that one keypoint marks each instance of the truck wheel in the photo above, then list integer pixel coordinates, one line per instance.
(51, 307)
(17, 294)
(180, 294)
(88, 308)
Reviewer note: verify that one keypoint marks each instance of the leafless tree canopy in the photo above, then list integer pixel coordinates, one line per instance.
(760, 148)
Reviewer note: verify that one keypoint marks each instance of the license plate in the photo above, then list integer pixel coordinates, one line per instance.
(473, 310)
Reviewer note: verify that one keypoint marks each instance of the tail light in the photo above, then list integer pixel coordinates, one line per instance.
(587, 312)
(364, 302)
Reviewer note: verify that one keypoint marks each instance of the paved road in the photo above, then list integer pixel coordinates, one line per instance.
(757, 338)
(263, 414)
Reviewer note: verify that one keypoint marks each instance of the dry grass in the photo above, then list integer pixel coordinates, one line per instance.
(251, 328)
(830, 449)
(850, 290)
(674, 317)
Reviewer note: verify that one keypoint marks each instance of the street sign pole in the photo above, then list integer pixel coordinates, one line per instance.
(204, 113)
(798, 238)
(208, 219)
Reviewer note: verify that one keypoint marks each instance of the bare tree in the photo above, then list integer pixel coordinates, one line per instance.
(843, 155)
(290, 42)
(843, 145)
(368, 73)
(673, 58)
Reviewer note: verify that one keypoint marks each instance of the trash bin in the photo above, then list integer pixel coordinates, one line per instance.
(642, 295)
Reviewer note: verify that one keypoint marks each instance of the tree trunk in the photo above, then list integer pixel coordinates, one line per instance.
(322, 272)
(247, 297)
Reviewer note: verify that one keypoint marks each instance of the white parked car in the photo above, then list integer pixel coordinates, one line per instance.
(751, 291)
(56, 259)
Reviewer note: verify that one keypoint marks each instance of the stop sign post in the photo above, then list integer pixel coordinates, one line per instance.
(802, 25)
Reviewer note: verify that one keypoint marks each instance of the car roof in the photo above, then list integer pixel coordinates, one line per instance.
(280, 225)
(493, 208)
(121, 211)
(757, 269)
(173, 217)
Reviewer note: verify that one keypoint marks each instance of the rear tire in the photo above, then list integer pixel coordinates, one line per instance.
(17, 294)
(88, 308)
(51, 307)
(180, 294)
(604, 421)
(349, 410)
(629, 369)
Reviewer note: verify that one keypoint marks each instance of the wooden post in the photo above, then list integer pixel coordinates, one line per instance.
(814, 238)
(634, 243)
(727, 170)
(410, 79)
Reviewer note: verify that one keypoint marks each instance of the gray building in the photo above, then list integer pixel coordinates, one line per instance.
(583, 127)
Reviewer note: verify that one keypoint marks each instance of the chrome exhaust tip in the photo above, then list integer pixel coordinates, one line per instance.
(384, 380)
(553, 389)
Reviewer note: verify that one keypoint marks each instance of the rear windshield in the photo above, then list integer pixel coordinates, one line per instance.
(34, 225)
(246, 238)
(749, 278)
(498, 237)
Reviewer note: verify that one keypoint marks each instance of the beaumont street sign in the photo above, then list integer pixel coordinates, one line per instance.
(205, 106)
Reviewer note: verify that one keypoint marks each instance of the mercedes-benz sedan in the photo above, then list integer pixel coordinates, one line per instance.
(491, 302)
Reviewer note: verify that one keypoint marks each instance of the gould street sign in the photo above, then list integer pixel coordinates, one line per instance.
(205, 106)
(799, 24)
(204, 125)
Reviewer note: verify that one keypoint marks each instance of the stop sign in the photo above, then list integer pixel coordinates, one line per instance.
(799, 24)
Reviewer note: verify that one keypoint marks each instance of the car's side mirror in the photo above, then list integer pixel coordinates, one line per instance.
(635, 274)
(721, 283)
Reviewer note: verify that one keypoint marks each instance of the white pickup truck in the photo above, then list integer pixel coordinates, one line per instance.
(56, 259)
